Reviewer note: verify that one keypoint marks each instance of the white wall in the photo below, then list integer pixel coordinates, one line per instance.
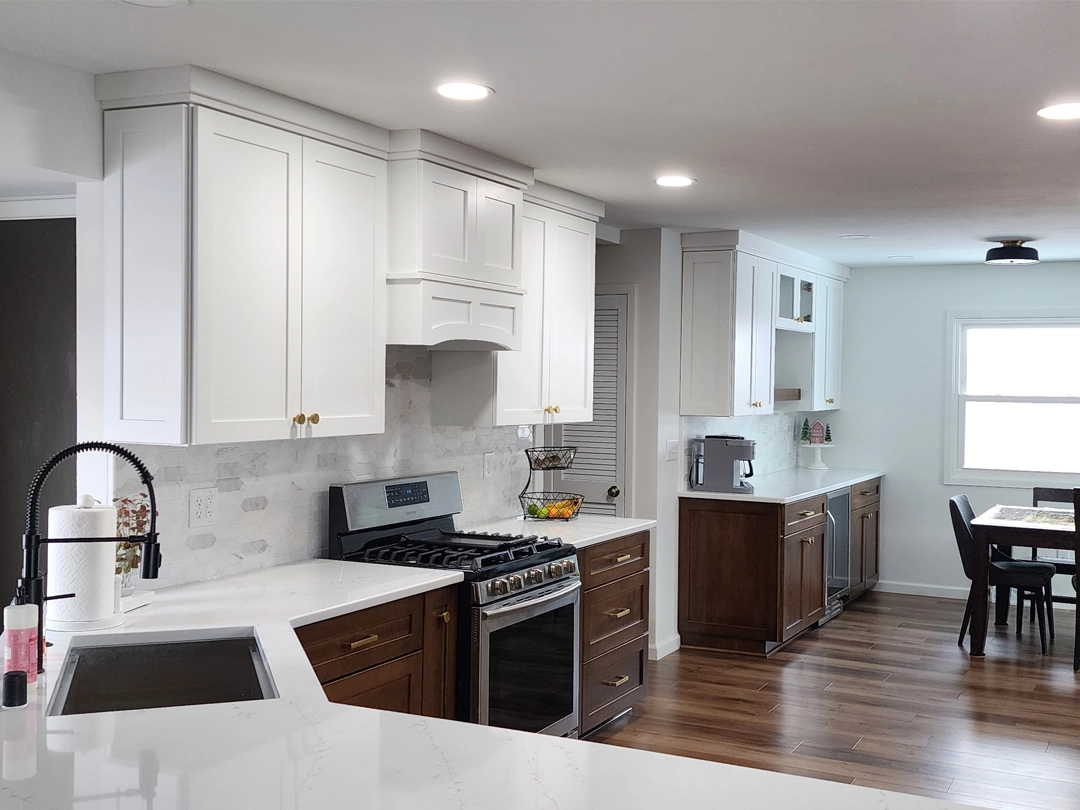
(49, 118)
(651, 260)
(893, 402)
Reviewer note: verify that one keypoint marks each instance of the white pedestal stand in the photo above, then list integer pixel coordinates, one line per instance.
(815, 456)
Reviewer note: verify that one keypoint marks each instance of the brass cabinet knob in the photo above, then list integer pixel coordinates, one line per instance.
(614, 491)
(557, 409)
(445, 616)
(299, 419)
(830, 401)
(549, 409)
(314, 419)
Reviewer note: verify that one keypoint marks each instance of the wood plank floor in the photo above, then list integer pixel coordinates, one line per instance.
(882, 696)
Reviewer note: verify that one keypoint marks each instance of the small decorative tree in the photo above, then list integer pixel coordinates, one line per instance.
(132, 518)
(805, 437)
(828, 434)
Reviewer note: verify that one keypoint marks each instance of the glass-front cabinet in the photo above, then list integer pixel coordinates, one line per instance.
(795, 299)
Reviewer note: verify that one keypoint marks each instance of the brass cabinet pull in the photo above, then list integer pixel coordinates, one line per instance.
(622, 558)
(830, 401)
(806, 540)
(356, 645)
(867, 492)
(808, 513)
(314, 419)
(445, 616)
(619, 614)
(299, 419)
(557, 409)
(619, 681)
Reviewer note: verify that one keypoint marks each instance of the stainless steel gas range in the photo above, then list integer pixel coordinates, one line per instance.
(519, 647)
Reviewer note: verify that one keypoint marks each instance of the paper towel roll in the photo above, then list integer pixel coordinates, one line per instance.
(85, 569)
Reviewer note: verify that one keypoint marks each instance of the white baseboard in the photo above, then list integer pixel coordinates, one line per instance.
(664, 648)
(921, 589)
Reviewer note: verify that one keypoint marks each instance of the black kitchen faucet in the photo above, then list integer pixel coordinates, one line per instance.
(31, 583)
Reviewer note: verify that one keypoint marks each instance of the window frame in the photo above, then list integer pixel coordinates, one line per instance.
(956, 324)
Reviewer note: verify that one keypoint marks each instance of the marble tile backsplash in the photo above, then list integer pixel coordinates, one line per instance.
(272, 496)
(777, 441)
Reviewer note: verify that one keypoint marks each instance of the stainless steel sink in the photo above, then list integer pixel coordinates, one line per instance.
(155, 670)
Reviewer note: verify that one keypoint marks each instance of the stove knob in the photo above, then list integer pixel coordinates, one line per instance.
(517, 582)
(570, 566)
(536, 576)
(502, 586)
(556, 569)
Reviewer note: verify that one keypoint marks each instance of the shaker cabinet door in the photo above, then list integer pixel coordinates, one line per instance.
(449, 212)
(344, 288)
(247, 279)
(498, 211)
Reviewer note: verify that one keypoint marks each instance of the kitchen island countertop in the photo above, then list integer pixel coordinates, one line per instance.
(788, 486)
(301, 752)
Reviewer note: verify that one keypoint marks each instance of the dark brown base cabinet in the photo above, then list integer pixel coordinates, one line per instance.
(751, 575)
(614, 627)
(400, 656)
(865, 522)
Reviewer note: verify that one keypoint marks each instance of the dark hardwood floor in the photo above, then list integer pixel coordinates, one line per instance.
(883, 697)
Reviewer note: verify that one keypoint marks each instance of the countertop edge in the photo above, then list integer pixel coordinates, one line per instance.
(862, 475)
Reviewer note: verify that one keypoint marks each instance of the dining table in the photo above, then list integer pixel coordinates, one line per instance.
(1005, 526)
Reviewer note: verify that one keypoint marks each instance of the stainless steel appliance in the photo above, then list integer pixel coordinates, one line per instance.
(837, 551)
(722, 463)
(519, 646)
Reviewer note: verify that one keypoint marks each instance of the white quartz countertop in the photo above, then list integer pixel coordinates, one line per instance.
(303, 753)
(580, 532)
(787, 486)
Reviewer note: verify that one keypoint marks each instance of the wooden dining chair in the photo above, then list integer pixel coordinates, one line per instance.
(1050, 496)
(1030, 579)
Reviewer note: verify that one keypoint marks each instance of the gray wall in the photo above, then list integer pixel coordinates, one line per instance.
(37, 372)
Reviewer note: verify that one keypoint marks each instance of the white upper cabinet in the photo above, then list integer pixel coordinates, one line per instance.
(286, 275)
(828, 337)
(727, 334)
(795, 299)
(550, 380)
(247, 279)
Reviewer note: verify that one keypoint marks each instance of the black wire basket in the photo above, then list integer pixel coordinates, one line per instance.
(550, 505)
(550, 458)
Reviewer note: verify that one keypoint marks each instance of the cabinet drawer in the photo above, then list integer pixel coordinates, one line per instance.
(804, 514)
(393, 686)
(356, 641)
(606, 562)
(865, 493)
(611, 683)
(613, 614)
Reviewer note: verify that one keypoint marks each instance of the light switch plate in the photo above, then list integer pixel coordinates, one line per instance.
(673, 450)
(489, 465)
(201, 507)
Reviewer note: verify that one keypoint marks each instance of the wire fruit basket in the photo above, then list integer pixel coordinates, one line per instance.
(541, 505)
(550, 505)
(550, 458)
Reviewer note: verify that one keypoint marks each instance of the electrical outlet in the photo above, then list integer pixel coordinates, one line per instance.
(673, 450)
(524, 431)
(201, 507)
(489, 465)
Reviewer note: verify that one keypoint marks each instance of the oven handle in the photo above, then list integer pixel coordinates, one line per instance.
(541, 600)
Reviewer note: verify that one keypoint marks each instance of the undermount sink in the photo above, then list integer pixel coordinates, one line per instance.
(156, 670)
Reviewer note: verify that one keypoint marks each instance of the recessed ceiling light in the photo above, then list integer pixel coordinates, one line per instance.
(156, 3)
(1061, 112)
(674, 180)
(854, 236)
(464, 91)
(900, 256)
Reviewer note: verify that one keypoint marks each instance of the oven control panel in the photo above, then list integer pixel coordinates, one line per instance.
(409, 494)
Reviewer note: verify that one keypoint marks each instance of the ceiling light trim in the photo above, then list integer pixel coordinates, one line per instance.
(465, 91)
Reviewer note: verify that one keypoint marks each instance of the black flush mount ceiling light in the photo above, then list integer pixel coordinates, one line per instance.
(1012, 251)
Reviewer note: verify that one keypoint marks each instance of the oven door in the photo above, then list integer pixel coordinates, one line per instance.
(526, 661)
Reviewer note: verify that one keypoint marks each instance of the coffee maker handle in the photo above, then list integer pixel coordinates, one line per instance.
(750, 464)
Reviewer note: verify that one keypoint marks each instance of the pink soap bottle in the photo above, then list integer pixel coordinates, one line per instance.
(21, 638)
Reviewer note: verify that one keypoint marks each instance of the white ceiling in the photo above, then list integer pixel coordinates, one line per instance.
(913, 122)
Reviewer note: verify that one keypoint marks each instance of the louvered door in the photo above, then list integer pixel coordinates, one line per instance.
(601, 459)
